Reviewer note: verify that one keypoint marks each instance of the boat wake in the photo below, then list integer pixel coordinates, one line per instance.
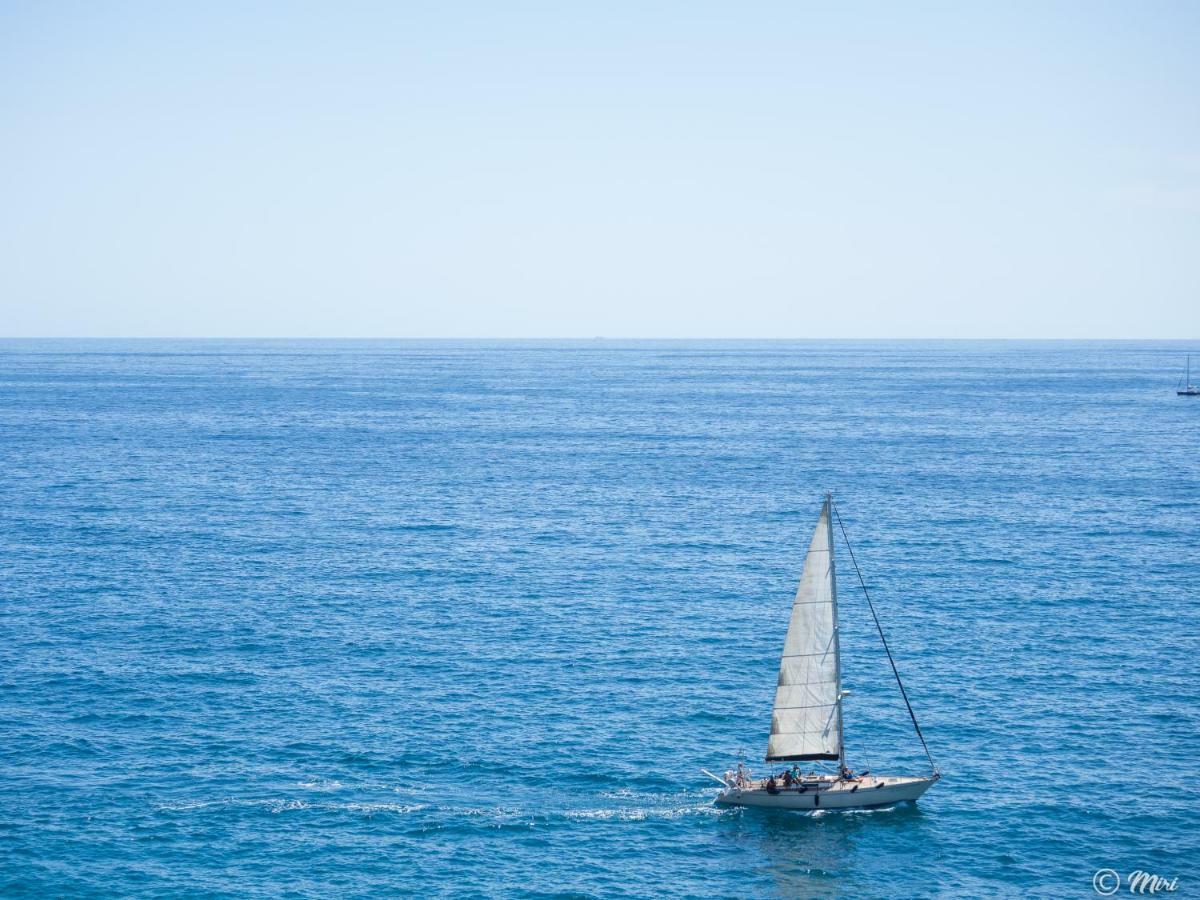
(288, 804)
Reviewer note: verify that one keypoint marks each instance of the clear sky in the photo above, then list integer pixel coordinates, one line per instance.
(620, 169)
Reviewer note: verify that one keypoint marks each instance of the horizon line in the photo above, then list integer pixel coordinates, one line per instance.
(590, 339)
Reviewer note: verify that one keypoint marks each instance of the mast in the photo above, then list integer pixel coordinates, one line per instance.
(837, 647)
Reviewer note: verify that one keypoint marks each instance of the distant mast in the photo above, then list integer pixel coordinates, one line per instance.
(1188, 389)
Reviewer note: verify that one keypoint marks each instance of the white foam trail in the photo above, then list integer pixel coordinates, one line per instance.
(283, 804)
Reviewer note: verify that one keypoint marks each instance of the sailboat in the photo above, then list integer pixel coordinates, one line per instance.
(1189, 389)
(806, 724)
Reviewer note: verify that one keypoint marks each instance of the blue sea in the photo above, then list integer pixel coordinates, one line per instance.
(373, 618)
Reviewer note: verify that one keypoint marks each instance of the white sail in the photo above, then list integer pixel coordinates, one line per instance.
(806, 723)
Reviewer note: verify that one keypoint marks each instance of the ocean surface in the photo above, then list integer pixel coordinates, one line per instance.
(341, 618)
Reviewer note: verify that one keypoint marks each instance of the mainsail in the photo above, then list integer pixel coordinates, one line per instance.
(807, 721)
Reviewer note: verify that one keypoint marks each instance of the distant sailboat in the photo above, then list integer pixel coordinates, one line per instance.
(1188, 389)
(806, 724)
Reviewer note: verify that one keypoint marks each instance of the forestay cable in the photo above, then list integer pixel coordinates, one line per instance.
(886, 648)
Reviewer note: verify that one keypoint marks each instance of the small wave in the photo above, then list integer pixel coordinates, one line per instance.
(839, 813)
(370, 808)
(623, 815)
(641, 813)
(620, 794)
(320, 784)
(274, 805)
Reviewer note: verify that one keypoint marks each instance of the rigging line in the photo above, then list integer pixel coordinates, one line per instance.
(886, 648)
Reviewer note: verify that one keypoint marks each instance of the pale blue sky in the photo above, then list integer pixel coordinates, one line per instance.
(620, 169)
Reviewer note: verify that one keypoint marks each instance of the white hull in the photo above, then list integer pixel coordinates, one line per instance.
(830, 794)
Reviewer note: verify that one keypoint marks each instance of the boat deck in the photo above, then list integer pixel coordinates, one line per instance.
(829, 783)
